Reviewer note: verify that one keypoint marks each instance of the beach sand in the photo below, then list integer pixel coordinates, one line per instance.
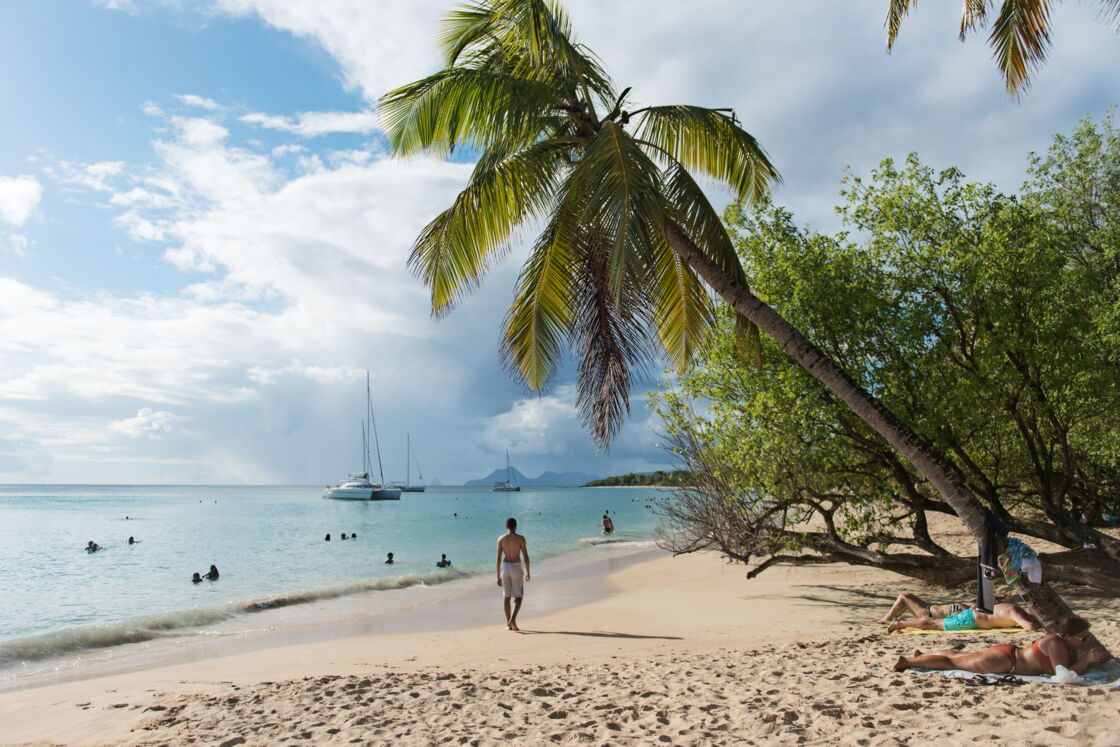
(683, 651)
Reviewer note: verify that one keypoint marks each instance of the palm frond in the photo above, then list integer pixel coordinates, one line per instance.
(896, 11)
(463, 106)
(623, 196)
(1110, 11)
(507, 187)
(464, 26)
(710, 142)
(974, 15)
(611, 342)
(540, 320)
(682, 309)
(531, 38)
(689, 208)
(1020, 37)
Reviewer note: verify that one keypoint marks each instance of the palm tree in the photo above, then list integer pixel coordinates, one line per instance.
(628, 238)
(1019, 38)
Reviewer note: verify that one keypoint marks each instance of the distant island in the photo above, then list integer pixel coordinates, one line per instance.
(546, 479)
(674, 479)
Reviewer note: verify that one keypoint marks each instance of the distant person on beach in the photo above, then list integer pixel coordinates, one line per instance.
(389, 559)
(1002, 616)
(919, 608)
(197, 579)
(608, 525)
(1041, 657)
(511, 546)
(443, 562)
(213, 574)
(92, 546)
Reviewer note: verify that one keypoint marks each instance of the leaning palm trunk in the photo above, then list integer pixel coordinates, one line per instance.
(1050, 609)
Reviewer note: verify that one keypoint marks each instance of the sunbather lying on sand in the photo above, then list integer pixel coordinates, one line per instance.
(1041, 657)
(919, 608)
(1002, 616)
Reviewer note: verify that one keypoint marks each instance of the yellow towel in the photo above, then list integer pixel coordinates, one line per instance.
(919, 631)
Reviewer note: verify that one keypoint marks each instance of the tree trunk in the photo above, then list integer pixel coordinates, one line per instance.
(1051, 611)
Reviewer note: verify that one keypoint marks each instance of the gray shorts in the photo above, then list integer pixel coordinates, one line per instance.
(513, 580)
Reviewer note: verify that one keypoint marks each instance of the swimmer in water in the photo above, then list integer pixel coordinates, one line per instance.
(389, 559)
(213, 574)
(197, 579)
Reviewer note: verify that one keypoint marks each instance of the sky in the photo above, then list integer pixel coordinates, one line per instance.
(203, 240)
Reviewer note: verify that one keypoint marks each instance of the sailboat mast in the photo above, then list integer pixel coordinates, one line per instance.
(373, 429)
(407, 457)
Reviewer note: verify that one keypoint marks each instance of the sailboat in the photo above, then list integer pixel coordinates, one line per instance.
(506, 486)
(407, 485)
(357, 485)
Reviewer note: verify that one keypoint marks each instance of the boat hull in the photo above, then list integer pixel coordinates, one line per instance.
(363, 494)
(506, 489)
(412, 488)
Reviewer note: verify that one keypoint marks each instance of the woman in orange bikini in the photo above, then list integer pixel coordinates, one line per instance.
(1038, 658)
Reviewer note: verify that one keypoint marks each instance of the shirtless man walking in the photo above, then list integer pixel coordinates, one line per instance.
(511, 546)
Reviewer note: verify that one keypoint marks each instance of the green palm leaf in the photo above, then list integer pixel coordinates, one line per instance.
(710, 142)
(462, 106)
(1020, 36)
(540, 320)
(682, 309)
(507, 187)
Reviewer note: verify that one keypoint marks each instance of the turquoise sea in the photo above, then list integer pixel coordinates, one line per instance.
(268, 544)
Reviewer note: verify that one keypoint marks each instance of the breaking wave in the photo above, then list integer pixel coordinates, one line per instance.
(140, 629)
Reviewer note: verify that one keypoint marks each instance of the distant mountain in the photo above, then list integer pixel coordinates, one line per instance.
(549, 479)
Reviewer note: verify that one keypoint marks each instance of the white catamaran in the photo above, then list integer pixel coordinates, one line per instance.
(407, 485)
(357, 485)
(506, 486)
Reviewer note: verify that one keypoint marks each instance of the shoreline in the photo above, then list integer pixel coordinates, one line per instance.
(450, 605)
(680, 650)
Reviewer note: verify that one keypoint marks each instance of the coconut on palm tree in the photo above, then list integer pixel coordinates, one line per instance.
(628, 239)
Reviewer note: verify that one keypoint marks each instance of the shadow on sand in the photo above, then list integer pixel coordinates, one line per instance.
(601, 634)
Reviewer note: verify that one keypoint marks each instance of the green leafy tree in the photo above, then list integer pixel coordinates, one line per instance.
(984, 320)
(627, 232)
(1020, 35)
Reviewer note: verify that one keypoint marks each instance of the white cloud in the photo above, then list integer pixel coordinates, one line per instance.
(96, 176)
(19, 196)
(536, 425)
(147, 423)
(310, 124)
(151, 109)
(200, 102)
(15, 243)
(403, 50)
